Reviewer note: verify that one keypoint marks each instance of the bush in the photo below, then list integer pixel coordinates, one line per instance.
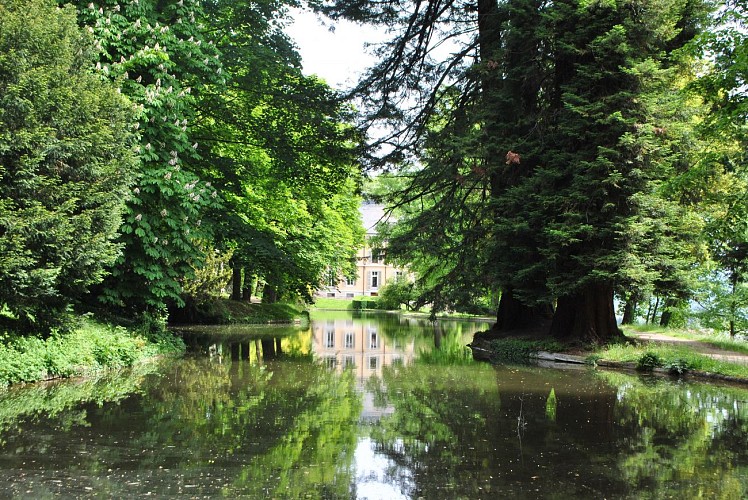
(360, 304)
(396, 293)
(648, 362)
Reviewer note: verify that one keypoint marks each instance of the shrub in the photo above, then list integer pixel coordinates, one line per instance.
(648, 361)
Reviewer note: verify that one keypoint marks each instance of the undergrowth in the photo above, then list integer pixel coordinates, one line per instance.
(92, 346)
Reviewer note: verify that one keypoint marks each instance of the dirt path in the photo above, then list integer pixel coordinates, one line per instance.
(700, 347)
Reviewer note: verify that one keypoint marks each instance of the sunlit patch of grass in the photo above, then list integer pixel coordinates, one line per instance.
(331, 303)
(676, 359)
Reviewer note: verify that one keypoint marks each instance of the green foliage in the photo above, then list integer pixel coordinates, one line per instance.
(89, 347)
(367, 303)
(541, 175)
(65, 162)
(225, 311)
(160, 57)
(396, 293)
(211, 279)
(282, 154)
(671, 357)
(648, 361)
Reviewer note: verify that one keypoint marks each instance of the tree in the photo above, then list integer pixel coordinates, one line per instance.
(162, 59)
(65, 163)
(277, 147)
(539, 139)
(722, 87)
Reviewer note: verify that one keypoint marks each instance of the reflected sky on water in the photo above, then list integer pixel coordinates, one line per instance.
(369, 407)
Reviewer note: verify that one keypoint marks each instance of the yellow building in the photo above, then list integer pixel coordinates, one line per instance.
(373, 270)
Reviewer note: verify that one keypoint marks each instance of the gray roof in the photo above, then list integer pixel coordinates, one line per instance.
(371, 215)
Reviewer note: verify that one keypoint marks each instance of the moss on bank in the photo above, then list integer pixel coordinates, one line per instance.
(90, 347)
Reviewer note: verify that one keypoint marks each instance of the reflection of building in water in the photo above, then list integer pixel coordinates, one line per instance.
(358, 345)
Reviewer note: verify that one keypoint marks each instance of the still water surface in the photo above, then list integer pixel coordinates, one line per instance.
(369, 407)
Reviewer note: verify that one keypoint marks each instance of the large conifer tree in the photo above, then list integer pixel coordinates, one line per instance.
(556, 100)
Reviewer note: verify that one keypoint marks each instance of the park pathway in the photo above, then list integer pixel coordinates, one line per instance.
(695, 345)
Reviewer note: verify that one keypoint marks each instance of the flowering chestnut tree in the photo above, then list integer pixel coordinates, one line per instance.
(158, 54)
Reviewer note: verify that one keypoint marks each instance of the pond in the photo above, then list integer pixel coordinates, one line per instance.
(369, 407)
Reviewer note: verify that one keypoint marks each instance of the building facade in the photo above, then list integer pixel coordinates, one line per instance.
(373, 271)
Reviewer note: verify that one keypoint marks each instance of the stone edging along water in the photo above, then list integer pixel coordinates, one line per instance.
(620, 365)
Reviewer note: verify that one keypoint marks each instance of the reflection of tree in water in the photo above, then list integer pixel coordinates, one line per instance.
(689, 437)
(460, 430)
(282, 432)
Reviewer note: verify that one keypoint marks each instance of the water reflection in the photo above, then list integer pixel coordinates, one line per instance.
(280, 413)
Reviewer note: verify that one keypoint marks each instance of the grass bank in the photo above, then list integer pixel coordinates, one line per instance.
(229, 312)
(90, 347)
(650, 356)
(676, 360)
(718, 340)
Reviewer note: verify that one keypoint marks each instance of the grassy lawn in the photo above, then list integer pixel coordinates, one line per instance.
(330, 303)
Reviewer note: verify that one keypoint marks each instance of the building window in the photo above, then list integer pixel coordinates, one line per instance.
(376, 256)
(350, 341)
(331, 362)
(373, 362)
(332, 279)
(330, 339)
(349, 295)
(375, 279)
(350, 281)
(331, 294)
(349, 362)
(373, 340)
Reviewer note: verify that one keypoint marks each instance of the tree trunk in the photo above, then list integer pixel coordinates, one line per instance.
(588, 316)
(654, 310)
(247, 285)
(236, 282)
(278, 347)
(667, 311)
(629, 310)
(514, 315)
(269, 294)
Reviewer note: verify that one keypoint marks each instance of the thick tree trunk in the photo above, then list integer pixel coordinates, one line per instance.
(236, 282)
(269, 294)
(588, 316)
(514, 315)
